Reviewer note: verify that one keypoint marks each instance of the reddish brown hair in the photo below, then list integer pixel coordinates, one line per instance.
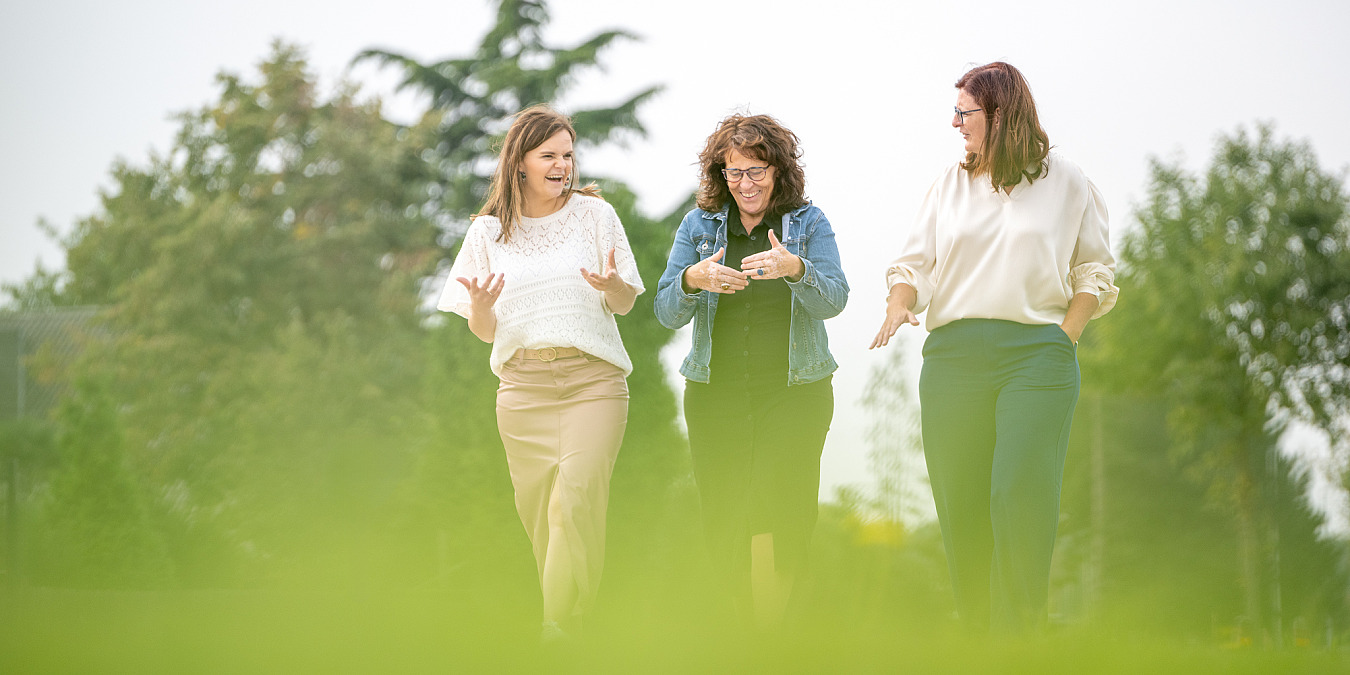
(762, 138)
(1015, 145)
(531, 128)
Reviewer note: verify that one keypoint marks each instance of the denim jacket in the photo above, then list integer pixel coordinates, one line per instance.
(821, 293)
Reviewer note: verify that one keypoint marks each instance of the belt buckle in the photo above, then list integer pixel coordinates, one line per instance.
(551, 351)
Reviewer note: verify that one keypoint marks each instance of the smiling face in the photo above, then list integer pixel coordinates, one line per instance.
(548, 170)
(752, 197)
(972, 127)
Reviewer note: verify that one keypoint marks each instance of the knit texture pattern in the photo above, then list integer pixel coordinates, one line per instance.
(546, 301)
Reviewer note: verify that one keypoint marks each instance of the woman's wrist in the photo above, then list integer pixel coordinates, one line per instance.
(902, 296)
(1074, 334)
(684, 282)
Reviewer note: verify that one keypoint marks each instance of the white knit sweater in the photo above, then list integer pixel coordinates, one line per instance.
(546, 301)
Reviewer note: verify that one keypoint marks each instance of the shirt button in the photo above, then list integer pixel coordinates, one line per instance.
(745, 353)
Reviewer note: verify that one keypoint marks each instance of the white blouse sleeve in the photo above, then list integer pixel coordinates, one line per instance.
(612, 236)
(1093, 269)
(918, 260)
(472, 262)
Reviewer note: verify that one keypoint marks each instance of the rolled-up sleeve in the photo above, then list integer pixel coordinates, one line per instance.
(1093, 269)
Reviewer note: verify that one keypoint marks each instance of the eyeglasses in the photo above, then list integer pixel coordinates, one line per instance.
(962, 113)
(754, 172)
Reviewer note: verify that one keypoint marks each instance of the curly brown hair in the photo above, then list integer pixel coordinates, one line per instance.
(1015, 144)
(764, 139)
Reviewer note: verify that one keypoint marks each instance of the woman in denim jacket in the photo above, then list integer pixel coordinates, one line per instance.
(762, 261)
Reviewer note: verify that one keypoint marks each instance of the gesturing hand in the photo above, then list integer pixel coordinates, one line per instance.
(773, 263)
(610, 281)
(711, 275)
(484, 296)
(898, 313)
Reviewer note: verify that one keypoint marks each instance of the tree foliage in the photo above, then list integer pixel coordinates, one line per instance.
(473, 97)
(284, 407)
(261, 282)
(1238, 290)
(95, 528)
(1244, 281)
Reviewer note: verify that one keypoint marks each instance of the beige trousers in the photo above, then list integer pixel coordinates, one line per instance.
(562, 423)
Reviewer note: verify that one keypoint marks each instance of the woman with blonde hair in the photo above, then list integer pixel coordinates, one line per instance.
(1010, 257)
(541, 273)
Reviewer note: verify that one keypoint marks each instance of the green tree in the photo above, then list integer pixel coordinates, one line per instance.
(262, 283)
(1139, 546)
(41, 290)
(473, 97)
(26, 455)
(282, 397)
(1238, 296)
(94, 528)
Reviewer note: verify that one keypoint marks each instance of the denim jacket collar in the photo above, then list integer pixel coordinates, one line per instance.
(791, 216)
(821, 293)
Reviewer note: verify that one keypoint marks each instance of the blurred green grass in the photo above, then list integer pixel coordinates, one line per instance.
(278, 631)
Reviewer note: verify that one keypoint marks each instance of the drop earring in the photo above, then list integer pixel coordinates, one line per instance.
(522, 175)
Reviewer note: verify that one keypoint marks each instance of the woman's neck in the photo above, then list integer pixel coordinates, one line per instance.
(750, 222)
(538, 208)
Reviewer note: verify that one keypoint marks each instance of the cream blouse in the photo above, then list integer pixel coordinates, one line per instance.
(977, 253)
(546, 302)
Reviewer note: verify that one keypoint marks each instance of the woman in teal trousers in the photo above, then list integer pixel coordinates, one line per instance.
(1010, 258)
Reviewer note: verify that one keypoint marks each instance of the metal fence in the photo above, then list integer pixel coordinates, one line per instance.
(48, 339)
(55, 334)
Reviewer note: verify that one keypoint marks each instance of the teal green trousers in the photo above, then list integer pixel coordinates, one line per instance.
(997, 400)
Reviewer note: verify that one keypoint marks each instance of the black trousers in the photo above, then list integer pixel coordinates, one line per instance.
(756, 457)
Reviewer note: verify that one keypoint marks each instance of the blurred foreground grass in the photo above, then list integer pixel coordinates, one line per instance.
(65, 631)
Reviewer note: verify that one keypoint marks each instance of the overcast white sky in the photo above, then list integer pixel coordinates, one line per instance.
(866, 84)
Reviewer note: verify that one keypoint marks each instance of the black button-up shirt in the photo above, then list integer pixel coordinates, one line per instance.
(752, 327)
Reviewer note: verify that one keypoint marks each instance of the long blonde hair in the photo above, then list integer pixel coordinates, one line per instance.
(531, 128)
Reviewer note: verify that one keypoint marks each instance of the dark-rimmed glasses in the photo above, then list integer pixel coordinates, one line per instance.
(754, 172)
(961, 114)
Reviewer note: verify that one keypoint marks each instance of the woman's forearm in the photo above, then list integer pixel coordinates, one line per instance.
(1081, 308)
(483, 323)
(622, 300)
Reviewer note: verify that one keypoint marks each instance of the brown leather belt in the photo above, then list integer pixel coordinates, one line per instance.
(547, 354)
